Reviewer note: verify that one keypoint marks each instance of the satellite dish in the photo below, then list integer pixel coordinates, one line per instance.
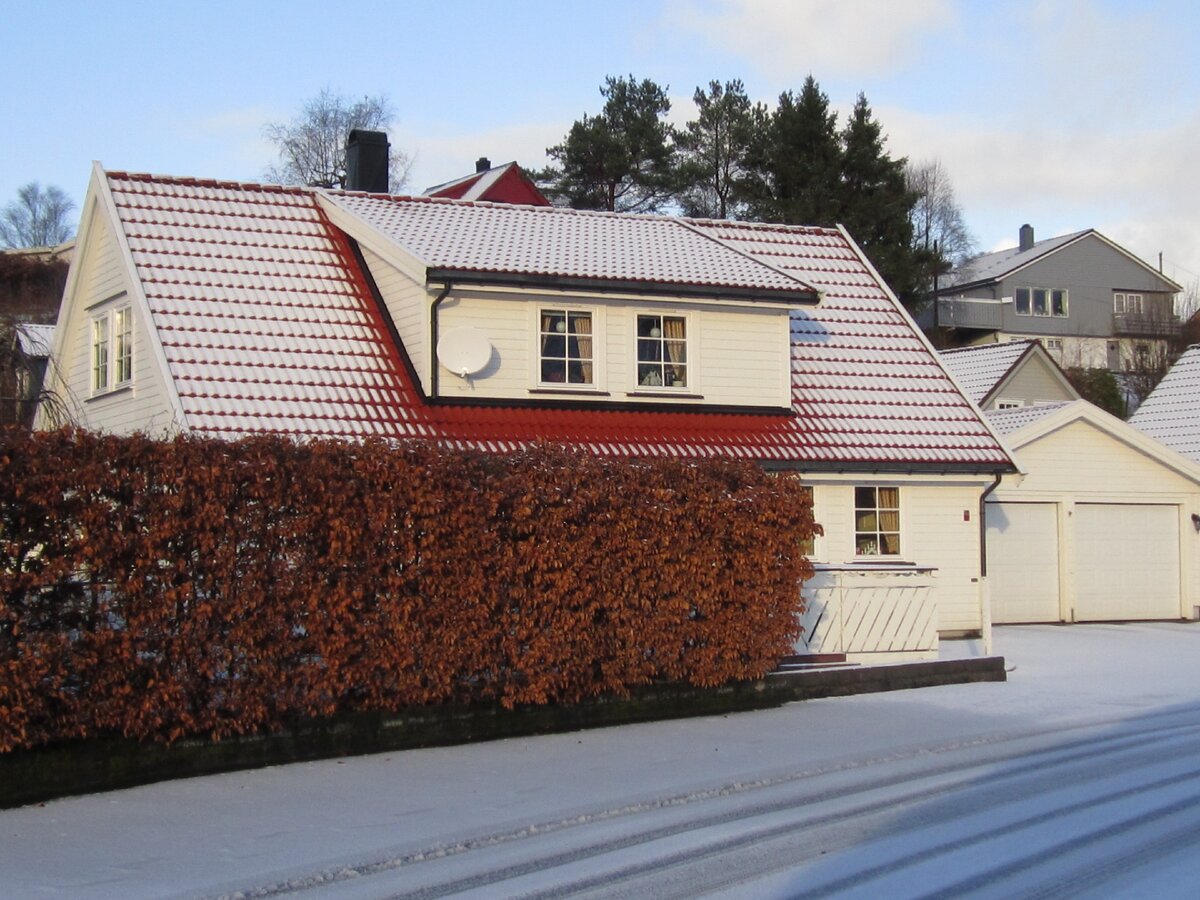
(464, 350)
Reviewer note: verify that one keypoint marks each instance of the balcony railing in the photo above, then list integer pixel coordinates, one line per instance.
(956, 312)
(1141, 325)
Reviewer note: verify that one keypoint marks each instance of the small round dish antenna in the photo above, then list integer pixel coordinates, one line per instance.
(464, 350)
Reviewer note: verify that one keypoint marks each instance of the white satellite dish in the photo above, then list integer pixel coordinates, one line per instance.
(464, 350)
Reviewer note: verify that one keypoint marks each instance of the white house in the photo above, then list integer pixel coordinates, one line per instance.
(1102, 523)
(229, 309)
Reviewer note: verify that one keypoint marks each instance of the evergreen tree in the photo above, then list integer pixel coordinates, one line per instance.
(716, 149)
(622, 159)
(875, 204)
(800, 163)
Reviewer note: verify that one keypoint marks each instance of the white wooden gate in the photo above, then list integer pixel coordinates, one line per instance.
(870, 613)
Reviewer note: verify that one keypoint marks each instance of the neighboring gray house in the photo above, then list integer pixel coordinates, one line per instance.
(1089, 301)
(1009, 375)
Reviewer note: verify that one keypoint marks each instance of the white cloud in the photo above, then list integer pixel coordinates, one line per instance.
(788, 39)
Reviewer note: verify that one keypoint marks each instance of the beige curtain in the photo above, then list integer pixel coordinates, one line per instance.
(583, 330)
(675, 334)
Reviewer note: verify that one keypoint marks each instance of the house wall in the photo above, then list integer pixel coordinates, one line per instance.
(408, 305)
(1081, 463)
(102, 285)
(940, 529)
(1032, 383)
(1090, 270)
(736, 356)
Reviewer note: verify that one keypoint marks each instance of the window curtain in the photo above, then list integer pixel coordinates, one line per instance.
(675, 333)
(582, 326)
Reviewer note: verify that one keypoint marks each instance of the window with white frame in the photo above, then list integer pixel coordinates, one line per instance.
(1054, 345)
(112, 349)
(662, 357)
(1008, 404)
(566, 348)
(877, 521)
(808, 545)
(1040, 301)
(1128, 303)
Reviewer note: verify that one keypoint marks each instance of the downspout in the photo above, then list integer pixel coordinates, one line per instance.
(986, 611)
(433, 340)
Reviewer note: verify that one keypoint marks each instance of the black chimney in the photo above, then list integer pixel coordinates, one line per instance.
(367, 161)
(482, 164)
(1026, 237)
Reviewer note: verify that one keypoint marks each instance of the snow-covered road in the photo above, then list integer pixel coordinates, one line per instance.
(1079, 776)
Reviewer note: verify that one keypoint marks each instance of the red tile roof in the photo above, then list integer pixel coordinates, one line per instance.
(267, 324)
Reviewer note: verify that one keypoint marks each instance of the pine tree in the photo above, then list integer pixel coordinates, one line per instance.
(716, 149)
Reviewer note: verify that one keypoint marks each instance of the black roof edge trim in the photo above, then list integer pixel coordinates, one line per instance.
(798, 297)
(602, 404)
(884, 468)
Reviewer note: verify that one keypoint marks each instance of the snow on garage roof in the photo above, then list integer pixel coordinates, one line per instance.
(267, 324)
(1171, 414)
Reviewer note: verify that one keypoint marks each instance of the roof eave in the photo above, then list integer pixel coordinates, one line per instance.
(786, 298)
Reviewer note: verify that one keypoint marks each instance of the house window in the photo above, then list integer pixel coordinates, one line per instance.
(1128, 303)
(662, 359)
(876, 521)
(1040, 301)
(100, 354)
(112, 349)
(565, 354)
(1054, 344)
(1008, 404)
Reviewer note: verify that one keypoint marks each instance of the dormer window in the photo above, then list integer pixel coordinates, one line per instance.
(566, 348)
(662, 357)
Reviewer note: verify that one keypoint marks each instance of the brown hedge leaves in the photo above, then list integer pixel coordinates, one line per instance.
(201, 587)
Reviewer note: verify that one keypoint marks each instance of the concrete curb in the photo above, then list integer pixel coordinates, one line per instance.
(81, 767)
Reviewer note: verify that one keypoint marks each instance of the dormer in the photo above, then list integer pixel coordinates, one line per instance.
(548, 306)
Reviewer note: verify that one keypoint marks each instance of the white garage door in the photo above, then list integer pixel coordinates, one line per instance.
(1127, 562)
(1022, 561)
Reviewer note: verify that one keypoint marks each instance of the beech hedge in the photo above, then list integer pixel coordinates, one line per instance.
(200, 587)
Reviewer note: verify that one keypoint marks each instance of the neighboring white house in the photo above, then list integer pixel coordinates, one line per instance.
(1171, 414)
(228, 309)
(1009, 375)
(1102, 523)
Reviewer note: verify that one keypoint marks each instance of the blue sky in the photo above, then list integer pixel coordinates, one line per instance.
(1066, 115)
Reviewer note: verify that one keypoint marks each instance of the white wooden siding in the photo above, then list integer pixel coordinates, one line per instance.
(1033, 383)
(737, 357)
(103, 286)
(934, 533)
(407, 303)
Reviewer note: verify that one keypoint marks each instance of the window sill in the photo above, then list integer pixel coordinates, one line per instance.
(570, 392)
(126, 388)
(662, 395)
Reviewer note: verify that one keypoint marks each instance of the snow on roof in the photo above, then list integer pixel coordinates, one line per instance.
(994, 266)
(267, 324)
(1008, 421)
(979, 369)
(35, 340)
(503, 238)
(1171, 414)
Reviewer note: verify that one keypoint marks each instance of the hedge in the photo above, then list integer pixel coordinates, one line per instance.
(200, 587)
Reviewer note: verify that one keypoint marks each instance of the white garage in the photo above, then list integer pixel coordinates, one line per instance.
(1096, 527)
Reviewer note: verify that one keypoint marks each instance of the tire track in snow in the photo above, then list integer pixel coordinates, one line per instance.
(1083, 748)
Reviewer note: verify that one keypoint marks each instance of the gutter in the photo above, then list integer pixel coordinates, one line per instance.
(433, 339)
(983, 524)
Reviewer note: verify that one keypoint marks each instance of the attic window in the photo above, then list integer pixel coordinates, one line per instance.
(565, 354)
(112, 350)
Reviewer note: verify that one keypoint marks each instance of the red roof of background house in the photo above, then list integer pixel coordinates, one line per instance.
(267, 324)
(500, 184)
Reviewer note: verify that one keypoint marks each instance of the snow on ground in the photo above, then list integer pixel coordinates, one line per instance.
(1079, 776)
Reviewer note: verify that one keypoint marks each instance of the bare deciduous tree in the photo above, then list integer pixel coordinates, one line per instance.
(936, 217)
(312, 146)
(37, 218)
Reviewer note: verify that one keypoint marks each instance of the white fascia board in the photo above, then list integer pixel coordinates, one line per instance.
(100, 196)
(381, 244)
(585, 296)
